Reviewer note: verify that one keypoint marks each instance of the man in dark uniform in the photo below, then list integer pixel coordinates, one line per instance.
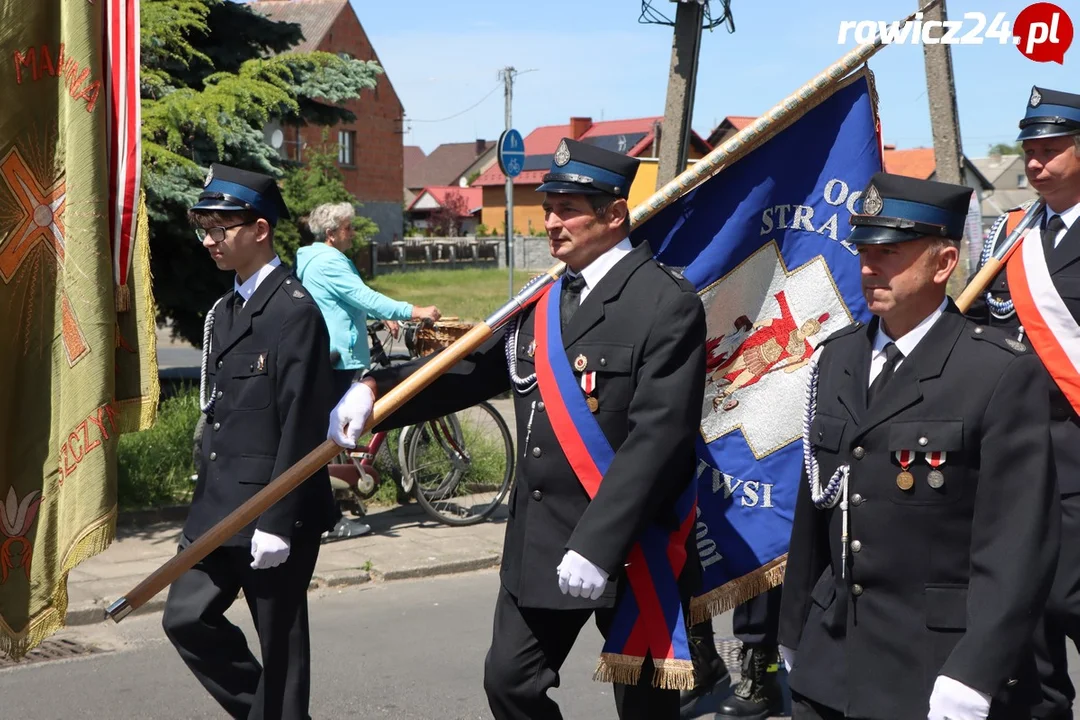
(637, 332)
(1050, 133)
(926, 527)
(267, 388)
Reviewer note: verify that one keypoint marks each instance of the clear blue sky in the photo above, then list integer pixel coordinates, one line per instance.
(593, 58)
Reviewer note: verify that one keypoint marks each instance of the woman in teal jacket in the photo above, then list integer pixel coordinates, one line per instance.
(346, 302)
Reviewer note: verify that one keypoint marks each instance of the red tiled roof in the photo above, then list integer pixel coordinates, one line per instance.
(473, 195)
(740, 121)
(915, 162)
(444, 165)
(314, 17)
(543, 141)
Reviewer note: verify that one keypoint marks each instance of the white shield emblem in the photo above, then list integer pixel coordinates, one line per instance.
(764, 323)
(209, 178)
(1036, 97)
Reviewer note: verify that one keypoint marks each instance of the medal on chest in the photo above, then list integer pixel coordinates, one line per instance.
(905, 480)
(588, 386)
(935, 478)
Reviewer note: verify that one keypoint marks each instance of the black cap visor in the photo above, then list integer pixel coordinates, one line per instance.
(567, 188)
(1058, 128)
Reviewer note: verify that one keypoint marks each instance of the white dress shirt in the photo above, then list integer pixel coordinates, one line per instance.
(598, 268)
(1069, 217)
(905, 344)
(246, 289)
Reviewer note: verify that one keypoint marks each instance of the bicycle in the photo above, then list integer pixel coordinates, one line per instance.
(458, 467)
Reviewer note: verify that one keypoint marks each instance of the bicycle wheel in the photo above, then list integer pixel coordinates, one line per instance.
(462, 464)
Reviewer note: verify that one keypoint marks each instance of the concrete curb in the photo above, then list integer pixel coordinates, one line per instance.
(94, 612)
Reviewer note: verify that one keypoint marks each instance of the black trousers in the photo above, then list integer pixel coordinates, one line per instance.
(1061, 619)
(528, 648)
(217, 652)
(757, 621)
(803, 709)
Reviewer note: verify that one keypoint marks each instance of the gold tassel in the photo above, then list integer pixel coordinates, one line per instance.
(673, 674)
(737, 591)
(95, 539)
(616, 668)
(123, 298)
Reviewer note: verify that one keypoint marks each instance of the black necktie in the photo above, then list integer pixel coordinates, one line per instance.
(892, 357)
(238, 304)
(1054, 226)
(571, 296)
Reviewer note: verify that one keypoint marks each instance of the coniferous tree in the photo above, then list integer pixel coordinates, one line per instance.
(212, 78)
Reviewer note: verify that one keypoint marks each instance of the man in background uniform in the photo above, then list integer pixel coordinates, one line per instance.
(1050, 133)
(926, 526)
(267, 369)
(634, 337)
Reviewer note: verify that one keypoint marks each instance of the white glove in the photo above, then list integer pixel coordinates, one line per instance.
(953, 700)
(580, 578)
(789, 657)
(268, 550)
(350, 415)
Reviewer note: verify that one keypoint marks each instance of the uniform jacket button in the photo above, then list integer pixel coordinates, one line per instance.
(220, 393)
(537, 452)
(923, 441)
(1011, 682)
(856, 546)
(219, 363)
(540, 406)
(537, 495)
(856, 589)
(213, 456)
(858, 453)
(217, 426)
(298, 524)
(603, 362)
(856, 499)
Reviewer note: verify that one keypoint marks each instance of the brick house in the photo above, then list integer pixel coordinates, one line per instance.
(369, 149)
(637, 137)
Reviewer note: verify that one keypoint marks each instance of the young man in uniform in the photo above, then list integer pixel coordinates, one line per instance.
(926, 527)
(270, 386)
(630, 336)
(1050, 133)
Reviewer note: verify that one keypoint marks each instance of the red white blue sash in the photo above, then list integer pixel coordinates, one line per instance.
(649, 617)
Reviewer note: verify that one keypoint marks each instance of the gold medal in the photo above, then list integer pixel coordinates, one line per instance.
(935, 479)
(580, 363)
(905, 480)
(593, 403)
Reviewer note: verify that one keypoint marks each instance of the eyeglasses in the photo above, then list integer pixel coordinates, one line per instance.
(217, 234)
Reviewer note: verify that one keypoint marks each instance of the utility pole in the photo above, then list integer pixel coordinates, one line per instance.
(679, 108)
(941, 93)
(508, 83)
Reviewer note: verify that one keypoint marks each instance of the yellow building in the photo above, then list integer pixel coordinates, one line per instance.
(637, 138)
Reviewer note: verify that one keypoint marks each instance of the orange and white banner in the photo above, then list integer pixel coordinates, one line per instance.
(1053, 331)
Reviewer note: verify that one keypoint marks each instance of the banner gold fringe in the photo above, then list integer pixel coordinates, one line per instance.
(136, 414)
(626, 670)
(123, 298)
(738, 591)
(95, 539)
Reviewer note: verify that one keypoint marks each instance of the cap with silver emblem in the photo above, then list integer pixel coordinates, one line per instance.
(581, 168)
(1050, 113)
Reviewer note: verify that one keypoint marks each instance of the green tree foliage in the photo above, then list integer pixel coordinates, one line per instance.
(212, 79)
(305, 188)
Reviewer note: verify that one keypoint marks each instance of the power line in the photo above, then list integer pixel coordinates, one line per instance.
(458, 114)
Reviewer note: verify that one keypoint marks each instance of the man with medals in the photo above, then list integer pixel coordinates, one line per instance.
(926, 530)
(1037, 298)
(606, 371)
(267, 384)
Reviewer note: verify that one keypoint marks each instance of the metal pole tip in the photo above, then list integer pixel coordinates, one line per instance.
(119, 610)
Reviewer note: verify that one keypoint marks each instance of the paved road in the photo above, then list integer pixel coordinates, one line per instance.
(408, 650)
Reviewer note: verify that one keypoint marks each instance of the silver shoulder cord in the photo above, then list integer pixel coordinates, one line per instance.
(837, 488)
(207, 404)
(521, 385)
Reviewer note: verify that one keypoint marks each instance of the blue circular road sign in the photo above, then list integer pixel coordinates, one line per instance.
(511, 153)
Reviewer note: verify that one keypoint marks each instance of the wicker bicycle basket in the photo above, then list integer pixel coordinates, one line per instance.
(431, 338)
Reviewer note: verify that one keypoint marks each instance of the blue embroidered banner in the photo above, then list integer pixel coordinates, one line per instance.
(764, 242)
